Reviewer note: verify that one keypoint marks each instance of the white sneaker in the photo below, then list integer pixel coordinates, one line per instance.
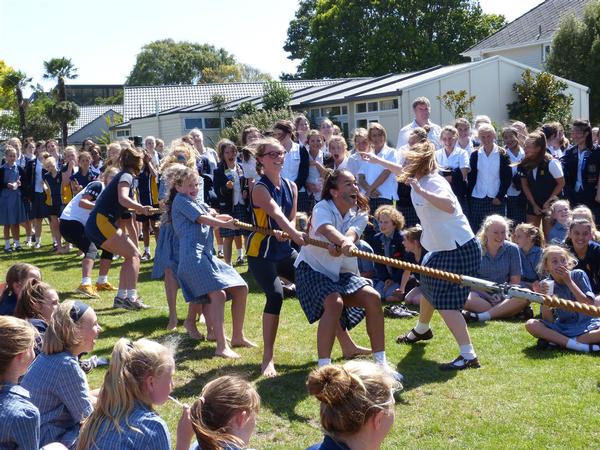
(38, 244)
(393, 372)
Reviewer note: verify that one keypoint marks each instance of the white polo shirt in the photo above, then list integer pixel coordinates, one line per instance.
(488, 173)
(291, 163)
(434, 134)
(514, 160)
(389, 188)
(458, 159)
(326, 213)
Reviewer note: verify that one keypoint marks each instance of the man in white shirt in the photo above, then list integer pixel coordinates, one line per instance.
(422, 109)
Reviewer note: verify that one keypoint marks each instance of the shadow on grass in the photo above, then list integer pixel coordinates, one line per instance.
(143, 325)
(532, 352)
(419, 371)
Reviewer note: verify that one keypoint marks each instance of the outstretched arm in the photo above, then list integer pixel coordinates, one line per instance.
(374, 159)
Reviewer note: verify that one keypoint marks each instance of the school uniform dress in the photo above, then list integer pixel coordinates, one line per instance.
(329, 444)
(404, 203)
(318, 274)
(569, 323)
(143, 429)
(451, 165)
(59, 388)
(54, 194)
(499, 268)
(296, 168)
(231, 200)
(34, 188)
(102, 222)
(166, 254)
(516, 203)
(12, 209)
(147, 188)
(67, 189)
(590, 263)
(388, 190)
(581, 168)
(307, 200)
(83, 180)
(489, 179)
(19, 419)
(391, 247)
(450, 243)
(8, 303)
(249, 168)
(541, 181)
(529, 264)
(199, 271)
(558, 233)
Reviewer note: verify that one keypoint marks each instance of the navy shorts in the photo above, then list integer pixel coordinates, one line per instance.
(99, 228)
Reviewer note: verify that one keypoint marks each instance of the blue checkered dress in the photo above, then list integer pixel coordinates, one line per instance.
(410, 215)
(312, 287)
(240, 212)
(515, 209)
(463, 260)
(19, 419)
(480, 208)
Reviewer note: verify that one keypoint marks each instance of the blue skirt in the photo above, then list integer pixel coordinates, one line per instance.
(240, 212)
(312, 287)
(166, 255)
(574, 329)
(463, 260)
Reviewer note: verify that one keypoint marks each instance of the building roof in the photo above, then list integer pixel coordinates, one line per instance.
(141, 101)
(88, 114)
(535, 26)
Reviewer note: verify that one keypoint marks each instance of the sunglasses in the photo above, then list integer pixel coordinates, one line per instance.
(274, 155)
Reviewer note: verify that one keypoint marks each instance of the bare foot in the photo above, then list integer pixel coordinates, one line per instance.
(243, 342)
(172, 325)
(193, 331)
(227, 353)
(356, 352)
(268, 370)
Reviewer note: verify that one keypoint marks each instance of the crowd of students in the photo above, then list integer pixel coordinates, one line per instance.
(455, 198)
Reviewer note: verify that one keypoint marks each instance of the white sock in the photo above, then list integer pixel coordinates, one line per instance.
(379, 357)
(17, 243)
(132, 293)
(484, 316)
(421, 327)
(324, 362)
(6, 243)
(572, 344)
(240, 252)
(467, 351)
(102, 279)
(86, 281)
(147, 249)
(122, 293)
(29, 239)
(220, 246)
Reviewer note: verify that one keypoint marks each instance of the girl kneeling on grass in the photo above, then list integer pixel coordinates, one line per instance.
(357, 405)
(19, 418)
(559, 327)
(224, 417)
(140, 375)
(57, 384)
(203, 278)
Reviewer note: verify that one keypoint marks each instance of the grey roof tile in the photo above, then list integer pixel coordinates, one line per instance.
(88, 114)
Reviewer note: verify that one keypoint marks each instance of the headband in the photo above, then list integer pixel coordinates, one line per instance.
(78, 310)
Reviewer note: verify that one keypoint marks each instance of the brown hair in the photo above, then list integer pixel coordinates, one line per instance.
(219, 401)
(131, 159)
(331, 182)
(534, 233)
(222, 145)
(420, 161)
(246, 131)
(84, 154)
(375, 126)
(414, 233)
(18, 273)
(259, 149)
(286, 126)
(538, 139)
(395, 216)
(351, 394)
(33, 293)
(17, 336)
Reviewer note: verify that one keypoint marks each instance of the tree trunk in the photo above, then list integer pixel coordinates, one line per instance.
(21, 105)
(61, 98)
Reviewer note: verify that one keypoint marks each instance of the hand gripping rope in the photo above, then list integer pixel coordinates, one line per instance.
(464, 280)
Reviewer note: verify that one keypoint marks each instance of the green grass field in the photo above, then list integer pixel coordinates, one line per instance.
(520, 398)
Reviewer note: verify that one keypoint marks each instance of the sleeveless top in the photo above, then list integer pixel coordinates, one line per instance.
(268, 247)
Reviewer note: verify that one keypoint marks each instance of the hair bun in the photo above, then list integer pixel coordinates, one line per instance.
(330, 384)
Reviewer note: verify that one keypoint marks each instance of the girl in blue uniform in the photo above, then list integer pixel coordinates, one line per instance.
(53, 187)
(224, 417)
(572, 330)
(85, 173)
(16, 276)
(530, 240)
(103, 230)
(140, 375)
(204, 278)
(12, 209)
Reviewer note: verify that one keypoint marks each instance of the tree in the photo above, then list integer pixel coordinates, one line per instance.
(261, 119)
(458, 103)
(339, 38)
(541, 98)
(16, 81)
(575, 53)
(62, 111)
(7, 96)
(276, 95)
(244, 109)
(116, 99)
(219, 101)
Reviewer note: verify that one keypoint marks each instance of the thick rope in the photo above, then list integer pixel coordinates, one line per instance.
(546, 300)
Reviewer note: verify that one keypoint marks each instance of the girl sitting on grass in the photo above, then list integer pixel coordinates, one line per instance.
(16, 275)
(559, 327)
(530, 240)
(224, 417)
(561, 216)
(139, 376)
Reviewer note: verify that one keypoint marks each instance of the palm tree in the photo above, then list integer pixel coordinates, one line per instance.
(17, 80)
(65, 112)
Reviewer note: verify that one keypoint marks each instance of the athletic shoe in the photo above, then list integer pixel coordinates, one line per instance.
(240, 261)
(139, 303)
(126, 303)
(87, 290)
(220, 254)
(105, 287)
(146, 256)
(37, 245)
(18, 248)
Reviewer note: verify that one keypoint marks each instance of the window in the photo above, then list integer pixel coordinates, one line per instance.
(361, 108)
(361, 123)
(190, 124)
(122, 133)
(335, 111)
(546, 52)
(314, 112)
(372, 106)
(344, 110)
(386, 105)
(212, 122)
(228, 121)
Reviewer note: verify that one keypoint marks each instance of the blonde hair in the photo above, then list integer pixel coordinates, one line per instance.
(110, 171)
(62, 333)
(449, 129)
(259, 148)
(395, 216)
(130, 364)
(339, 140)
(33, 293)
(17, 336)
(359, 132)
(219, 401)
(179, 146)
(49, 162)
(351, 394)
(487, 223)
(420, 161)
(554, 205)
(571, 260)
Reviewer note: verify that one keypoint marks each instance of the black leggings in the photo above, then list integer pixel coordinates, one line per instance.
(74, 232)
(266, 273)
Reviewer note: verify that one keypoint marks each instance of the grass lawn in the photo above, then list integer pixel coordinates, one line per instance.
(520, 398)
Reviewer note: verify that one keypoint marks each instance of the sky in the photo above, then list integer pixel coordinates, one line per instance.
(103, 37)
